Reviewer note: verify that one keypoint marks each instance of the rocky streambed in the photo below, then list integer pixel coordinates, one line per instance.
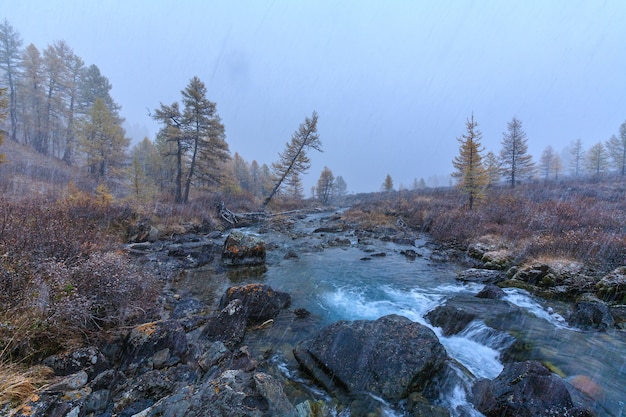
(318, 318)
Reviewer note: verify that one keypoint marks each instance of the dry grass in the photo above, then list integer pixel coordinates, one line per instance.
(18, 385)
(578, 220)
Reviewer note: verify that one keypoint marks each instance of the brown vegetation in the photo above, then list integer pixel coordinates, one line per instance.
(63, 279)
(580, 220)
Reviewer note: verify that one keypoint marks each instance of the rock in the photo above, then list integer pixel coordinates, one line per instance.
(481, 276)
(523, 389)
(243, 249)
(339, 242)
(329, 229)
(187, 307)
(259, 301)
(451, 319)
(497, 259)
(89, 359)
(301, 313)
(548, 273)
(291, 255)
(491, 292)
(612, 287)
(70, 382)
(409, 253)
(591, 314)
(229, 326)
(619, 315)
(145, 340)
(143, 231)
(273, 392)
(390, 357)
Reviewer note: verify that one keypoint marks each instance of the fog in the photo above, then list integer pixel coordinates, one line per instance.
(393, 82)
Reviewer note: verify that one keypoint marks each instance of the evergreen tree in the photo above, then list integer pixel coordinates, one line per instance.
(10, 56)
(242, 173)
(616, 148)
(387, 184)
(3, 115)
(470, 172)
(325, 185)
(492, 169)
(577, 157)
(294, 158)
(102, 140)
(31, 97)
(546, 163)
(196, 140)
(597, 159)
(341, 188)
(294, 186)
(515, 162)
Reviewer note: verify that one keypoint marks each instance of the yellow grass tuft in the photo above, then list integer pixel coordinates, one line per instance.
(18, 385)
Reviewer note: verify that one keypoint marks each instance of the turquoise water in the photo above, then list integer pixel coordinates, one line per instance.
(336, 283)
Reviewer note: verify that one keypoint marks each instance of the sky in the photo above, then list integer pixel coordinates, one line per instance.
(393, 82)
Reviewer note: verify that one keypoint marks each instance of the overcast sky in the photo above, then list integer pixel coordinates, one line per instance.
(393, 81)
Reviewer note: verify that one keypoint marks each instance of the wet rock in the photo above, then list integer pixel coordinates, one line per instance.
(187, 307)
(491, 291)
(145, 340)
(273, 392)
(409, 253)
(259, 302)
(548, 273)
(243, 249)
(523, 389)
(481, 276)
(619, 315)
(591, 314)
(229, 326)
(390, 357)
(451, 319)
(291, 255)
(301, 313)
(329, 229)
(612, 287)
(339, 242)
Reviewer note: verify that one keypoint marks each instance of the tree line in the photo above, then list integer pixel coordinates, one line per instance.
(62, 108)
(475, 171)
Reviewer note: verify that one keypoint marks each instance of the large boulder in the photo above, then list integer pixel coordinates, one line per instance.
(243, 249)
(229, 326)
(390, 357)
(154, 344)
(524, 389)
(612, 287)
(259, 301)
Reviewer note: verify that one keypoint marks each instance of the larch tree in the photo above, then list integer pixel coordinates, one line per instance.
(294, 187)
(340, 188)
(103, 141)
(616, 148)
(515, 161)
(597, 159)
(4, 103)
(470, 172)
(492, 169)
(295, 156)
(325, 186)
(546, 162)
(208, 150)
(577, 157)
(10, 57)
(195, 140)
(387, 185)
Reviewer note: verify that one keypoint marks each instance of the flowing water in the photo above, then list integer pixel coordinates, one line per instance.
(357, 282)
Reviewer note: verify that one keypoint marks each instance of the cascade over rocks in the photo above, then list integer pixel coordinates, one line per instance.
(390, 357)
(525, 389)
